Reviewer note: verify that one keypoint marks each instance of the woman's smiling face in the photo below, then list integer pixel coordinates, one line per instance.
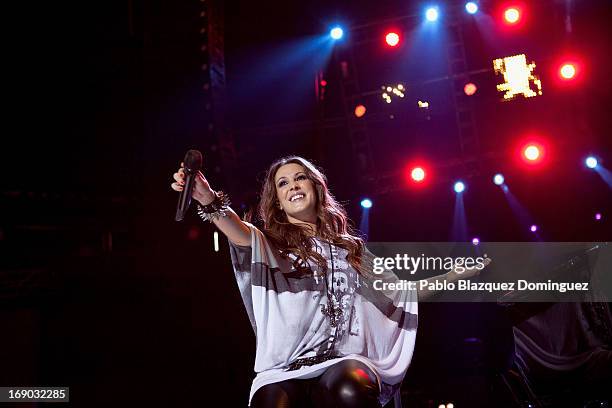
(296, 193)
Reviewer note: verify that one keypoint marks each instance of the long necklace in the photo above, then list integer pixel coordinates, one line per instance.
(333, 310)
(334, 313)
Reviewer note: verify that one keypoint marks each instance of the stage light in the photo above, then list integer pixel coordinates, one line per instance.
(498, 179)
(532, 152)
(423, 104)
(459, 187)
(512, 15)
(390, 90)
(366, 203)
(450, 405)
(517, 76)
(567, 71)
(533, 228)
(417, 174)
(470, 89)
(591, 162)
(471, 7)
(475, 241)
(360, 110)
(432, 14)
(216, 241)
(336, 33)
(598, 216)
(392, 39)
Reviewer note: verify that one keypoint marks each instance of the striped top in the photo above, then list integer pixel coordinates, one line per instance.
(306, 319)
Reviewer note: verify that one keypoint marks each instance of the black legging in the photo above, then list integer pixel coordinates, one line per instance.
(347, 384)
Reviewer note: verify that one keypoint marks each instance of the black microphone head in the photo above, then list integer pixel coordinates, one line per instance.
(193, 160)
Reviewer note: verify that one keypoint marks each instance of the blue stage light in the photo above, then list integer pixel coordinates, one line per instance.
(498, 179)
(459, 187)
(431, 14)
(471, 7)
(336, 33)
(366, 203)
(591, 162)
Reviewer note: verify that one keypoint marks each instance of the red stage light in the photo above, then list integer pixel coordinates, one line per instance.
(532, 152)
(360, 110)
(470, 89)
(567, 71)
(323, 82)
(392, 39)
(512, 15)
(417, 174)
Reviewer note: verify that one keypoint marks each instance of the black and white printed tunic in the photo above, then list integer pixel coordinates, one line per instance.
(306, 320)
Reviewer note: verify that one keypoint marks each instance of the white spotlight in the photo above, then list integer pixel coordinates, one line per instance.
(591, 162)
(432, 14)
(336, 33)
(471, 7)
(498, 179)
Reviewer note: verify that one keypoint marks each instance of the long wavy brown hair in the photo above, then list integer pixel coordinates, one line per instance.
(332, 221)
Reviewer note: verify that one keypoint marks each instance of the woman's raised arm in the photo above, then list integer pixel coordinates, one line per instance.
(231, 225)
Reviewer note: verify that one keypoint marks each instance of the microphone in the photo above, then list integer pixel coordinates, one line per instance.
(193, 163)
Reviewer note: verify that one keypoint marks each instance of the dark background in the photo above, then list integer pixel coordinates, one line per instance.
(102, 291)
